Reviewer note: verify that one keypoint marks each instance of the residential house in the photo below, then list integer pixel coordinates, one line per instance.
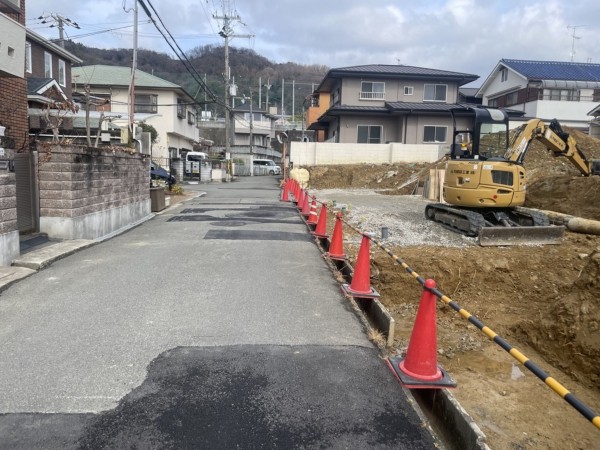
(14, 129)
(252, 129)
(546, 90)
(164, 105)
(595, 122)
(377, 104)
(48, 73)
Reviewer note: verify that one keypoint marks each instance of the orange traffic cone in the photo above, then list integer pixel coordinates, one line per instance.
(419, 369)
(312, 216)
(295, 191)
(336, 248)
(321, 229)
(306, 205)
(361, 279)
(285, 193)
(301, 199)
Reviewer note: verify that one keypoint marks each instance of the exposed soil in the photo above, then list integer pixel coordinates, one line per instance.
(545, 300)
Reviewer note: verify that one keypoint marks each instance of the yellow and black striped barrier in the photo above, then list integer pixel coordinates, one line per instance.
(558, 388)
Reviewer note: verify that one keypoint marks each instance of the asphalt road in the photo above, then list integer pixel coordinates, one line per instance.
(216, 324)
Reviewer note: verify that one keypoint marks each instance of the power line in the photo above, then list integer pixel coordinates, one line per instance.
(177, 50)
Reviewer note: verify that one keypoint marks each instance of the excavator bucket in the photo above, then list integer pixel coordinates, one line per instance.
(540, 235)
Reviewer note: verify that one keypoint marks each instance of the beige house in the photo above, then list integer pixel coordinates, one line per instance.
(164, 105)
(378, 104)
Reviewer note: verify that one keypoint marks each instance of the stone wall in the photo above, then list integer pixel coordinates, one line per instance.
(9, 234)
(88, 193)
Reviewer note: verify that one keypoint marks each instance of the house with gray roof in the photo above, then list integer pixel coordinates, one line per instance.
(164, 105)
(546, 90)
(376, 104)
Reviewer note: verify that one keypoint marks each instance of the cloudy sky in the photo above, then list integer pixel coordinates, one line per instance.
(459, 35)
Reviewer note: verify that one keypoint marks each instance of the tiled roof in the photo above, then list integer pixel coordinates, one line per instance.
(102, 75)
(400, 70)
(554, 70)
(34, 84)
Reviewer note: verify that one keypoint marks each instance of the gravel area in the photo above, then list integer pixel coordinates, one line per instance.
(402, 215)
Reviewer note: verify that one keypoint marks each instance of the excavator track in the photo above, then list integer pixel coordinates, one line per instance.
(527, 227)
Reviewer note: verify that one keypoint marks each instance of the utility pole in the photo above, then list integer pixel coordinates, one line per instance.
(60, 22)
(251, 137)
(133, 69)
(227, 33)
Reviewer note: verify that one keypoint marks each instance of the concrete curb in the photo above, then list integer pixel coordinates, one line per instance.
(38, 259)
(9, 275)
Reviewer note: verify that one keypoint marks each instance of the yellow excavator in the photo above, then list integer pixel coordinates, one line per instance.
(485, 181)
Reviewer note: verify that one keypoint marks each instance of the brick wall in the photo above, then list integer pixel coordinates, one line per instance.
(76, 181)
(13, 103)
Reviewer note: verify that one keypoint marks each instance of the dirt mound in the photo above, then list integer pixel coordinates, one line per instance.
(569, 333)
(367, 176)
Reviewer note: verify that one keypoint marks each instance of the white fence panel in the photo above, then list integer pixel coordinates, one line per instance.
(325, 153)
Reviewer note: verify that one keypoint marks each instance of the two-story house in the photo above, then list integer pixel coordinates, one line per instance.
(164, 105)
(376, 104)
(252, 129)
(547, 90)
(48, 72)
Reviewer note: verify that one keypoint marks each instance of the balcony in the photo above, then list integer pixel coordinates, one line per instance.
(12, 48)
(372, 95)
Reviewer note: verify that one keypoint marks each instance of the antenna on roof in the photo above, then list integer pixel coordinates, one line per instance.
(573, 36)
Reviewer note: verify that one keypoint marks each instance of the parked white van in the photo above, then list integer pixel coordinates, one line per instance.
(266, 166)
(193, 161)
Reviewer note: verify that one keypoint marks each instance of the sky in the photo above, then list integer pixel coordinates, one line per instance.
(468, 36)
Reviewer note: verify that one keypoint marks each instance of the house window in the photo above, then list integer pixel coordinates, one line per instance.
(564, 95)
(503, 74)
(47, 65)
(28, 57)
(434, 134)
(435, 93)
(372, 90)
(191, 117)
(146, 103)
(493, 102)
(62, 73)
(180, 108)
(369, 134)
(512, 98)
(408, 90)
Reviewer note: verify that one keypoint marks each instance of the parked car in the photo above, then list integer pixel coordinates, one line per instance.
(159, 173)
(264, 166)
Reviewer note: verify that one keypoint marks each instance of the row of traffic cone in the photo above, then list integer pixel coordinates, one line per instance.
(419, 369)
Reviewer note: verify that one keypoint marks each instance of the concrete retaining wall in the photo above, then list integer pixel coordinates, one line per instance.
(324, 153)
(88, 193)
(9, 235)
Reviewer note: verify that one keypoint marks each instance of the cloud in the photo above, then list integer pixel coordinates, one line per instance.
(461, 35)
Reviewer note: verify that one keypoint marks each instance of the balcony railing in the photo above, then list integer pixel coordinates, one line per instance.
(372, 95)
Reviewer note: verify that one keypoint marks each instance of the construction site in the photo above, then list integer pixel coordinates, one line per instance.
(542, 299)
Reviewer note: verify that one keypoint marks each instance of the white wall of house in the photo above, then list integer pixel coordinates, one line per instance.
(568, 113)
(172, 130)
(496, 86)
(324, 153)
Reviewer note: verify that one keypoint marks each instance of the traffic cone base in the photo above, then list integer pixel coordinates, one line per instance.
(396, 364)
(340, 257)
(371, 293)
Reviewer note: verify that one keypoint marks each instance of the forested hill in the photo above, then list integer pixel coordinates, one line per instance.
(246, 68)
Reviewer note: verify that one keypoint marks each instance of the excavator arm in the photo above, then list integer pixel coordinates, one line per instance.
(556, 140)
